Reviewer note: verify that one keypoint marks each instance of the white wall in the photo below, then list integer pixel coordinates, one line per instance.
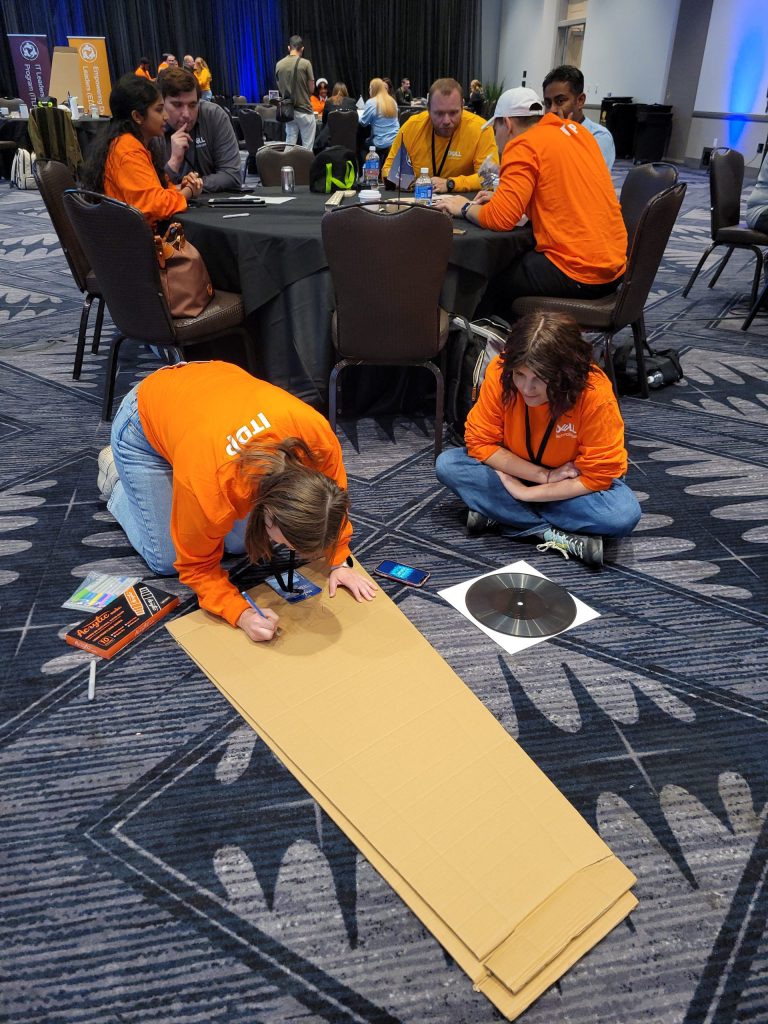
(527, 41)
(734, 73)
(627, 48)
(627, 45)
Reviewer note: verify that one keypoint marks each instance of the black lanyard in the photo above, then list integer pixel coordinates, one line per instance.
(536, 459)
(437, 171)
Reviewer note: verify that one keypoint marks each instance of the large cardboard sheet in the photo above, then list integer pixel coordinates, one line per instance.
(427, 784)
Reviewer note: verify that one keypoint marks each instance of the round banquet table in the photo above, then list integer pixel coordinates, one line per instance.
(275, 258)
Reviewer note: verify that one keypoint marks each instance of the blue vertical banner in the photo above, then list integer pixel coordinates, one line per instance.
(32, 64)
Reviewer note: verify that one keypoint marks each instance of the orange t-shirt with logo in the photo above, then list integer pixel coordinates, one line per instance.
(591, 434)
(556, 174)
(199, 417)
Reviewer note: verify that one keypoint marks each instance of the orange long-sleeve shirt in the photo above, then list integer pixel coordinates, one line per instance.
(591, 434)
(130, 176)
(199, 417)
(556, 174)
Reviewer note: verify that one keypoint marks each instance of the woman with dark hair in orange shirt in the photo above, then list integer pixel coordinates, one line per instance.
(545, 451)
(122, 164)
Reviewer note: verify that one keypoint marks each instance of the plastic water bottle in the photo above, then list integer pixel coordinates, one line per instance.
(422, 190)
(371, 169)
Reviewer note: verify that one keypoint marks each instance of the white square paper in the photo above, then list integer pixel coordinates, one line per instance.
(456, 595)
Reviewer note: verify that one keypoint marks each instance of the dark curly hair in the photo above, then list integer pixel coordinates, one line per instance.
(306, 506)
(132, 92)
(553, 347)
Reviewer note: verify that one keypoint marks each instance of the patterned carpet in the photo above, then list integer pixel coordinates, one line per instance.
(159, 865)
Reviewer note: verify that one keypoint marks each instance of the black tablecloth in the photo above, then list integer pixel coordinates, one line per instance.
(275, 258)
(14, 129)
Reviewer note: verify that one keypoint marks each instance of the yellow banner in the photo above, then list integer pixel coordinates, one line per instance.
(94, 72)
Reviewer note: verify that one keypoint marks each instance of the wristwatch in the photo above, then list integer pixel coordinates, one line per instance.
(465, 207)
(450, 184)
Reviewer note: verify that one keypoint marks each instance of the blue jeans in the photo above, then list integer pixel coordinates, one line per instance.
(142, 497)
(611, 513)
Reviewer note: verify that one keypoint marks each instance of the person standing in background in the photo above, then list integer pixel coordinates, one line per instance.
(188, 63)
(476, 101)
(296, 79)
(203, 75)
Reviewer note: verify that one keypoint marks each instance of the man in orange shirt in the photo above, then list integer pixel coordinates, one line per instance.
(143, 69)
(206, 458)
(553, 171)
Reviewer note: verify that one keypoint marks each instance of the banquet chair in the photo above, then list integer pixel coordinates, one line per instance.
(270, 159)
(253, 132)
(403, 116)
(53, 137)
(624, 307)
(342, 129)
(53, 180)
(726, 177)
(377, 320)
(642, 183)
(8, 147)
(119, 244)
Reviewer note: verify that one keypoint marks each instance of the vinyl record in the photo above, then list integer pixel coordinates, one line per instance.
(520, 605)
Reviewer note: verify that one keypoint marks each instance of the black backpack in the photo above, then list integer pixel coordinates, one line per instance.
(470, 348)
(332, 169)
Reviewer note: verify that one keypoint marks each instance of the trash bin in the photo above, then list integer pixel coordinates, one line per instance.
(620, 120)
(608, 102)
(653, 128)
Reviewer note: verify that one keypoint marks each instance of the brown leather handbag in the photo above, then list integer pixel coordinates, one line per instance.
(183, 274)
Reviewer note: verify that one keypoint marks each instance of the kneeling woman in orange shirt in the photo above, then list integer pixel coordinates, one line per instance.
(205, 459)
(545, 451)
(123, 165)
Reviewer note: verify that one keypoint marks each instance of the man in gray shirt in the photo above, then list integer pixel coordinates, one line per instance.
(198, 136)
(564, 95)
(296, 79)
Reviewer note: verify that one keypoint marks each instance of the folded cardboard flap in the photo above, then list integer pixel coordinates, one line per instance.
(558, 921)
(422, 778)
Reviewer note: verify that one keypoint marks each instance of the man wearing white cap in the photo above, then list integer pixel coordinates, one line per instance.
(553, 171)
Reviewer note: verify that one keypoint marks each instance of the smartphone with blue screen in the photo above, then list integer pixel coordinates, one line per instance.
(400, 573)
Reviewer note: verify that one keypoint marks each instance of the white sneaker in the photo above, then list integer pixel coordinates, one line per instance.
(108, 476)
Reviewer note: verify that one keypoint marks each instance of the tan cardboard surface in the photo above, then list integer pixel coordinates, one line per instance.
(428, 785)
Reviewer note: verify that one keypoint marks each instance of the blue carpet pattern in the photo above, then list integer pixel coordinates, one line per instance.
(158, 864)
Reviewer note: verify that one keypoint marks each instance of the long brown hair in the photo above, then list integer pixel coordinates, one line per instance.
(553, 347)
(306, 506)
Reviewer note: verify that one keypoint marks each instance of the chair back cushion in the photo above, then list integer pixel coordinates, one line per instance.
(253, 129)
(387, 271)
(641, 184)
(54, 137)
(653, 230)
(269, 161)
(119, 244)
(342, 129)
(726, 176)
(53, 179)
